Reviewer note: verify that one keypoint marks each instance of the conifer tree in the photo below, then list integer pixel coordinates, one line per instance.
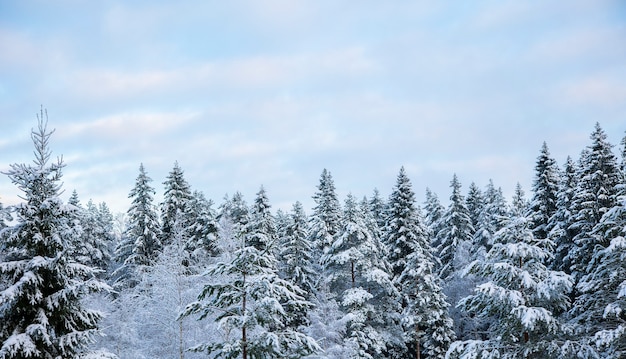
(41, 287)
(601, 306)
(521, 296)
(202, 227)
(598, 176)
(140, 244)
(175, 198)
(378, 209)
(434, 212)
(561, 232)
(357, 276)
(427, 326)
(474, 203)
(296, 252)
(326, 216)
(543, 204)
(519, 203)
(456, 233)
(400, 231)
(489, 221)
(251, 300)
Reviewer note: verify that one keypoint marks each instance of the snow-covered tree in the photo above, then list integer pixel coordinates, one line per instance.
(520, 297)
(561, 232)
(400, 229)
(455, 234)
(202, 227)
(251, 302)
(326, 216)
(545, 190)
(474, 203)
(489, 221)
(601, 306)
(434, 211)
(519, 203)
(359, 278)
(41, 288)
(378, 209)
(427, 326)
(598, 176)
(140, 244)
(175, 199)
(296, 252)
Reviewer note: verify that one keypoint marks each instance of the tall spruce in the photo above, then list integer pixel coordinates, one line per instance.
(455, 234)
(140, 244)
(326, 216)
(41, 287)
(434, 211)
(400, 232)
(543, 204)
(598, 176)
(296, 253)
(176, 197)
(474, 202)
(427, 327)
(561, 231)
(358, 277)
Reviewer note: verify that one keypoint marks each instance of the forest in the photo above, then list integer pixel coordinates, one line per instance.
(539, 275)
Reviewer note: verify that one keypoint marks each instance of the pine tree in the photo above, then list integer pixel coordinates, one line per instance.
(400, 231)
(202, 226)
(251, 299)
(474, 203)
(561, 232)
(489, 221)
(325, 220)
(519, 203)
(41, 288)
(296, 254)
(598, 176)
(427, 326)
(434, 212)
(140, 243)
(601, 306)
(521, 296)
(176, 197)
(543, 205)
(358, 278)
(456, 233)
(378, 209)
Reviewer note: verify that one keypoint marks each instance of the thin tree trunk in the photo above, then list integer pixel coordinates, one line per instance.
(353, 274)
(417, 342)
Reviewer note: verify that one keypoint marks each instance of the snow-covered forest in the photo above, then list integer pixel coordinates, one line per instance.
(539, 275)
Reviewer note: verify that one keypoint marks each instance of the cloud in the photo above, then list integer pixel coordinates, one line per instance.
(601, 91)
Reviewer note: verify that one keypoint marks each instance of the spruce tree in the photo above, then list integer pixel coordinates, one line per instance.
(140, 244)
(254, 306)
(474, 203)
(601, 305)
(456, 233)
(41, 287)
(176, 197)
(400, 231)
(489, 221)
(296, 252)
(358, 277)
(427, 326)
(434, 212)
(326, 216)
(598, 176)
(202, 227)
(543, 204)
(521, 296)
(561, 232)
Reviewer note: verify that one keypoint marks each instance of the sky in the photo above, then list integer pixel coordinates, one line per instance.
(251, 93)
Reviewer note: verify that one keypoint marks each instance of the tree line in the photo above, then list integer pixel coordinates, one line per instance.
(542, 276)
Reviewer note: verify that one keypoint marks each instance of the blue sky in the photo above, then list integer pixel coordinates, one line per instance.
(251, 93)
